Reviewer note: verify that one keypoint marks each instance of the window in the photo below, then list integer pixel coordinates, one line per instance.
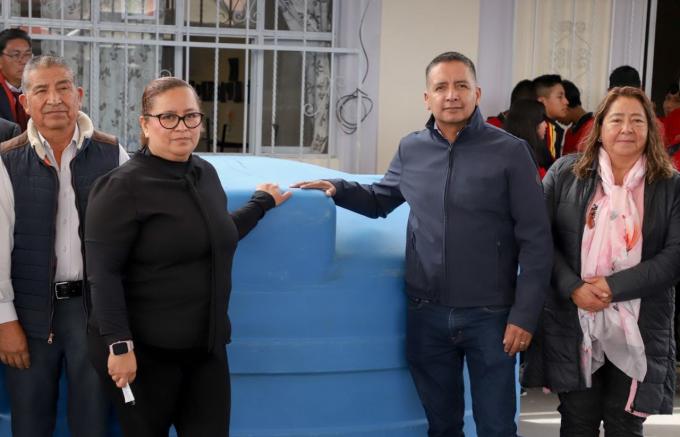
(266, 70)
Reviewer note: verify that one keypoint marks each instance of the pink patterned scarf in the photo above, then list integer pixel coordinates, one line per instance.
(612, 241)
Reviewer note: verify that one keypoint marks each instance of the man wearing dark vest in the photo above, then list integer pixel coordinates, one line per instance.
(15, 52)
(45, 177)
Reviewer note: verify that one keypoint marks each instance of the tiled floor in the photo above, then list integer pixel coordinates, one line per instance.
(539, 418)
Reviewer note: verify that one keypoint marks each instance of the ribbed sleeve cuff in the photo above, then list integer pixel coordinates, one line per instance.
(264, 200)
(339, 185)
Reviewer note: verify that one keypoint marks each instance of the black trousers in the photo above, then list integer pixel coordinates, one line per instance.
(189, 389)
(583, 410)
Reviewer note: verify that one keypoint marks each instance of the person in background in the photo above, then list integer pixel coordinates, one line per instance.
(624, 75)
(160, 243)
(550, 92)
(605, 342)
(526, 120)
(466, 300)
(45, 178)
(671, 119)
(15, 52)
(671, 122)
(580, 122)
(523, 90)
(8, 130)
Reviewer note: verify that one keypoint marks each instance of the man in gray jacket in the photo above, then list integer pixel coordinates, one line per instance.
(476, 215)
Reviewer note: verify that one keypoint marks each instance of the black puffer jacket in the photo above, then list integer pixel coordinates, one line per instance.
(553, 358)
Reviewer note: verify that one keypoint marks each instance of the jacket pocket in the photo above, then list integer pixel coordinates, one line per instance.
(414, 276)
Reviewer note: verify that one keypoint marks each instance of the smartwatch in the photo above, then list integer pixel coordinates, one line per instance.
(121, 347)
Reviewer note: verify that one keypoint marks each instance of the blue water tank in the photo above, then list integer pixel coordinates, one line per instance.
(318, 315)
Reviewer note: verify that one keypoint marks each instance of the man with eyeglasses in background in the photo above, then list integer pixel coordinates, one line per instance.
(15, 52)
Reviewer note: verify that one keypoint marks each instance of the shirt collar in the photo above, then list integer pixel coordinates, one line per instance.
(74, 139)
(436, 127)
(13, 88)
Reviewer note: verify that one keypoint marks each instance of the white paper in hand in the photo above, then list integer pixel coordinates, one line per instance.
(127, 395)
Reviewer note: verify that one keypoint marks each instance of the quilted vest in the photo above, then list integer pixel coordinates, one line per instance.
(36, 187)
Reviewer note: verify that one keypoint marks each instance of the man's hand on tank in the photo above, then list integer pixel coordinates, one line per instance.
(321, 184)
(275, 192)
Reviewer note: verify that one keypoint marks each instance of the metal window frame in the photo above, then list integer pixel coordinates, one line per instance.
(256, 43)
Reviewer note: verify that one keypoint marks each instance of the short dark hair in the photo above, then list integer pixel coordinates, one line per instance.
(543, 83)
(522, 120)
(624, 75)
(572, 93)
(451, 57)
(523, 90)
(9, 34)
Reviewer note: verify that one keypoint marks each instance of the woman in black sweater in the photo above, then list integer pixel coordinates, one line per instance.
(160, 244)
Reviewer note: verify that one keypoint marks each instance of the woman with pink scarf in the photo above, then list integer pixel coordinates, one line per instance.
(605, 343)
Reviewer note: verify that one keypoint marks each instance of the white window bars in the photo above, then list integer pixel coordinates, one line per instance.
(265, 69)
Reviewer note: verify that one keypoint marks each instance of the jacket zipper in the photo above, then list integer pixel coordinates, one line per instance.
(588, 195)
(449, 171)
(212, 328)
(592, 182)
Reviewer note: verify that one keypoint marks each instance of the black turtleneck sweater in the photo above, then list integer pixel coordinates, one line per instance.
(159, 246)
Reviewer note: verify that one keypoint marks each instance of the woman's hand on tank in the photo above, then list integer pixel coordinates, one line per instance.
(322, 185)
(275, 192)
(122, 368)
(588, 297)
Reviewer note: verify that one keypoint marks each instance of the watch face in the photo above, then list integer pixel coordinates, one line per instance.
(119, 348)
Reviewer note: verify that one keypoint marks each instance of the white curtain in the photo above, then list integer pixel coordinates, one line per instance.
(113, 113)
(114, 116)
(77, 54)
(566, 37)
(317, 65)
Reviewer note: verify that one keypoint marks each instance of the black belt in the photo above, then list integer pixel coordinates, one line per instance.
(68, 289)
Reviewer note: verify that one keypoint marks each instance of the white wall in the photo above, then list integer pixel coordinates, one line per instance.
(412, 33)
(495, 54)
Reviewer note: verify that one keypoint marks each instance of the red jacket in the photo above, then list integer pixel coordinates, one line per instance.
(671, 124)
(497, 120)
(8, 106)
(577, 132)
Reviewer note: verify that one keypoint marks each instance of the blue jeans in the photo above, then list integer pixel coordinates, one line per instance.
(438, 338)
(33, 392)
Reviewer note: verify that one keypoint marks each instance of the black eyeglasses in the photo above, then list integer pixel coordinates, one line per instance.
(16, 56)
(169, 120)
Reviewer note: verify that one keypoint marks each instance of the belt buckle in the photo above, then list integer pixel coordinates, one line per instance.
(57, 294)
